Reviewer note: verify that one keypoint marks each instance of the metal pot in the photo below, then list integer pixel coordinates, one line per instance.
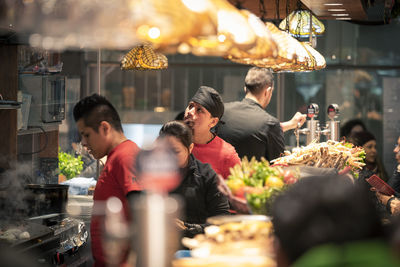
(46, 198)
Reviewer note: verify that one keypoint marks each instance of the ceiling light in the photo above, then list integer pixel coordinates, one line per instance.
(340, 15)
(265, 45)
(333, 4)
(154, 33)
(143, 57)
(221, 38)
(336, 9)
(233, 32)
(196, 5)
(346, 18)
(160, 22)
(159, 109)
(298, 24)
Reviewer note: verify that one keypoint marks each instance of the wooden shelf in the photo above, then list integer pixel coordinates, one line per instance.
(33, 130)
(9, 106)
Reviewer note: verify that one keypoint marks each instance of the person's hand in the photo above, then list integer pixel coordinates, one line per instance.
(298, 119)
(395, 206)
(180, 224)
(381, 197)
(193, 229)
(223, 187)
(238, 204)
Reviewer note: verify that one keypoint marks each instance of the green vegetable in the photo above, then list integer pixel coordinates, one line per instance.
(262, 203)
(69, 165)
(362, 155)
(349, 145)
(259, 191)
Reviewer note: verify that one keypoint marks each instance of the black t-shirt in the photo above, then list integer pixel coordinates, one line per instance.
(251, 130)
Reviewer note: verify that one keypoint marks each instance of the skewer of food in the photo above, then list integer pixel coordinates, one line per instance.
(330, 154)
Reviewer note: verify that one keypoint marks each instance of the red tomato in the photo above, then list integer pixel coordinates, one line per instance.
(291, 180)
(287, 175)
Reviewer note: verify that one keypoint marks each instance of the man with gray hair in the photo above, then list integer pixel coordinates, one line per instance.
(248, 127)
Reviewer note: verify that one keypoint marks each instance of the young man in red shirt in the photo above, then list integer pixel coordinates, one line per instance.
(100, 128)
(202, 114)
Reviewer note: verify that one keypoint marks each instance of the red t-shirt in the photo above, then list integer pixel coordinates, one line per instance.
(117, 179)
(219, 154)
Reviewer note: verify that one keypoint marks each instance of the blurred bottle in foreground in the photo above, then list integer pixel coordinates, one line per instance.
(155, 237)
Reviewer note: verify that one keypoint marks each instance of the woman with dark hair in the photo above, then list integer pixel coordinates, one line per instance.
(373, 165)
(198, 187)
(351, 127)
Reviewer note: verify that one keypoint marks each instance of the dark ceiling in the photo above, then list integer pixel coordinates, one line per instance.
(359, 11)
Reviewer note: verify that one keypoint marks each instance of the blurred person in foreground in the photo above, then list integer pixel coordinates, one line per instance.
(329, 221)
(100, 128)
(198, 187)
(249, 127)
(203, 115)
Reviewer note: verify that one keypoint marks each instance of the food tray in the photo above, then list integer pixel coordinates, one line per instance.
(218, 220)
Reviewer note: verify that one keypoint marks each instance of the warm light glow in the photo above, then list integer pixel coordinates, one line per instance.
(265, 45)
(221, 38)
(35, 40)
(184, 48)
(234, 23)
(154, 33)
(340, 15)
(48, 43)
(142, 30)
(196, 5)
(336, 9)
(348, 18)
(168, 23)
(159, 109)
(257, 25)
(333, 4)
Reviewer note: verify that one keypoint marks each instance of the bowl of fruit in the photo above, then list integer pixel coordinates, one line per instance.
(258, 183)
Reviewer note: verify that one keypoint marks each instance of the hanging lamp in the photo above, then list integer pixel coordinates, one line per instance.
(319, 60)
(143, 57)
(297, 23)
(166, 24)
(233, 31)
(265, 47)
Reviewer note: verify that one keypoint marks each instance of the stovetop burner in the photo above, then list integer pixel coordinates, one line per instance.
(50, 236)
